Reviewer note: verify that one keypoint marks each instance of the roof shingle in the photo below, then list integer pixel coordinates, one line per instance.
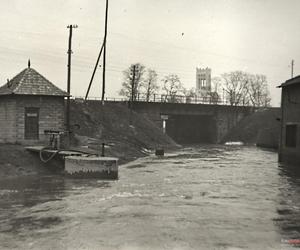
(30, 82)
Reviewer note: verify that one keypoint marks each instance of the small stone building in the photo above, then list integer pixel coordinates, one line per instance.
(289, 148)
(29, 105)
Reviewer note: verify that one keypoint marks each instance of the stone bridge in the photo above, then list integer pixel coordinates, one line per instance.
(193, 123)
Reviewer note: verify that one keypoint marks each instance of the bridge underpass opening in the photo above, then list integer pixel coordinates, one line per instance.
(191, 128)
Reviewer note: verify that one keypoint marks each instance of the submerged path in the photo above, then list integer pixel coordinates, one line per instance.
(201, 197)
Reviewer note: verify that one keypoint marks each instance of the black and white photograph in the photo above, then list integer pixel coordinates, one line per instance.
(150, 125)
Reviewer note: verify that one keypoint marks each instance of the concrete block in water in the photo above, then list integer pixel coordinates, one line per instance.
(95, 167)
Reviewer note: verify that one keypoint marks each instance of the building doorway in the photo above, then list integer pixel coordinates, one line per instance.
(31, 123)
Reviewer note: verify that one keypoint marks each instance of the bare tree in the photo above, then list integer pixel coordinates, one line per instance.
(150, 86)
(216, 83)
(133, 78)
(216, 90)
(235, 86)
(241, 88)
(258, 92)
(172, 87)
(190, 94)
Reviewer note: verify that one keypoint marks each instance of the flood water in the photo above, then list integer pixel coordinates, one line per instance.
(200, 197)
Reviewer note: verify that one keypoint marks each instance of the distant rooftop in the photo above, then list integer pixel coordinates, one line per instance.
(30, 82)
(295, 80)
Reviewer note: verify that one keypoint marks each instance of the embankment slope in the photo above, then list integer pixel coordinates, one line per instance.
(16, 161)
(261, 128)
(127, 135)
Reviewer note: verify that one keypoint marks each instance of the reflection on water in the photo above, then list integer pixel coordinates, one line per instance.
(201, 197)
(288, 207)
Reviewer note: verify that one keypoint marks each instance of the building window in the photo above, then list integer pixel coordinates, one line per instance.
(291, 135)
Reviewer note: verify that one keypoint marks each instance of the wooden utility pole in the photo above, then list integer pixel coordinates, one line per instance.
(104, 53)
(133, 70)
(133, 84)
(70, 27)
(292, 69)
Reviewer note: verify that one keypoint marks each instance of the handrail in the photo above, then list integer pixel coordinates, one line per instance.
(160, 98)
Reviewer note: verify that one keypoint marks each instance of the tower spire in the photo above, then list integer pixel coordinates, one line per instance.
(28, 63)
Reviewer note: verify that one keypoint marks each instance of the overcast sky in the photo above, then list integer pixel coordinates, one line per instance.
(170, 36)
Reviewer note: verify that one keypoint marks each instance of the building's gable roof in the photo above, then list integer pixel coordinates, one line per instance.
(294, 80)
(30, 82)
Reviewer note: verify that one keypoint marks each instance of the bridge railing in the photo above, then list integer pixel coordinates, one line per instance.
(179, 99)
(159, 98)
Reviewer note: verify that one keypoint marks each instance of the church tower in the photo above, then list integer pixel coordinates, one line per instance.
(203, 81)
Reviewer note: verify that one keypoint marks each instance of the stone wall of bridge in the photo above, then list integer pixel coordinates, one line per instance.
(188, 123)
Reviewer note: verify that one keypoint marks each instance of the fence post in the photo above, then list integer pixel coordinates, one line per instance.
(103, 150)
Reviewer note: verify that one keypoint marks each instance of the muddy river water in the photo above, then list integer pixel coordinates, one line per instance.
(200, 197)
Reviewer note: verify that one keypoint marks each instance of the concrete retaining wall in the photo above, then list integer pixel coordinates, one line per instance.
(100, 167)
